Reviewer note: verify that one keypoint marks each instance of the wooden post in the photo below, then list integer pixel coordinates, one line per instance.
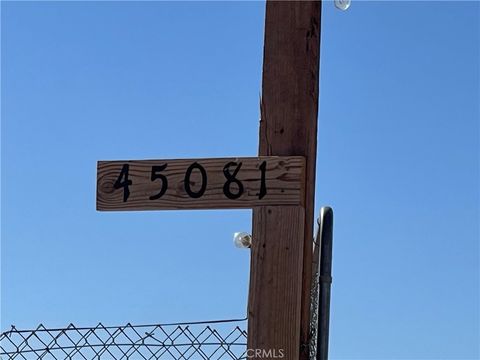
(281, 263)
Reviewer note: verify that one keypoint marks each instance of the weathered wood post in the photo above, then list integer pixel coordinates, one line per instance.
(281, 262)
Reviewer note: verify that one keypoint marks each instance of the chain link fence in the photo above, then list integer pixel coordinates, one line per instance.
(219, 340)
(210, 340)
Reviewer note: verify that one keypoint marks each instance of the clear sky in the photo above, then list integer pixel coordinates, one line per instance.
(398, 160)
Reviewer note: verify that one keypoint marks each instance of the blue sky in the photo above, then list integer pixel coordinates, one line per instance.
(398, 160)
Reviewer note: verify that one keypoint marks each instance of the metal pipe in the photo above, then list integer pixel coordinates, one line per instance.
(325, 281)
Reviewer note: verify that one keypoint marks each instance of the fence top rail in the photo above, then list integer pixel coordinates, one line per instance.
(71, 326)
(213, 339)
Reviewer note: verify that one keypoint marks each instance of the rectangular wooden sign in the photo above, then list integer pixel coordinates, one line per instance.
(219, 183)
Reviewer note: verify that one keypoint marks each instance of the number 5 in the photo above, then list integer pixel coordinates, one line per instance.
(154, 176)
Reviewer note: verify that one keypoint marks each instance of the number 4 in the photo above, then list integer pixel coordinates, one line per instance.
(125, 183)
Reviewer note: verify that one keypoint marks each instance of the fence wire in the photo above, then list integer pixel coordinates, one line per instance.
(314, 315)
(208, 340)
(218, 340)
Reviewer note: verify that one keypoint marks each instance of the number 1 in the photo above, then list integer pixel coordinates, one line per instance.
(263, 185)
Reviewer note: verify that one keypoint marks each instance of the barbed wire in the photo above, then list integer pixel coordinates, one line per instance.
(219, 340)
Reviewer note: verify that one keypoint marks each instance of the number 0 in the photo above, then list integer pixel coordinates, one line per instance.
(188, 173)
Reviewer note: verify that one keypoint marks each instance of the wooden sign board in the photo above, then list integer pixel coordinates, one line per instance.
(220, 183)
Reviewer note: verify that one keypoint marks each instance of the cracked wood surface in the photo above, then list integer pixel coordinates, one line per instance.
(281, 262)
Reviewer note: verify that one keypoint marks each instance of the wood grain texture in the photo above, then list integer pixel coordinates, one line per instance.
(288, 126)
(284, 179)
(276, 287)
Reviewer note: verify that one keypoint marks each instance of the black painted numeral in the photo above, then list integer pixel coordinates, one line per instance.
(125, 183)
(231, 178)
(155, 175)
(263, 185)
(188, 173)
(233, 188)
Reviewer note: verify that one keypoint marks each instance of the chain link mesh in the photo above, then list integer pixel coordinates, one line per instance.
(219, 340)
(314, 316)
(315, 294)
